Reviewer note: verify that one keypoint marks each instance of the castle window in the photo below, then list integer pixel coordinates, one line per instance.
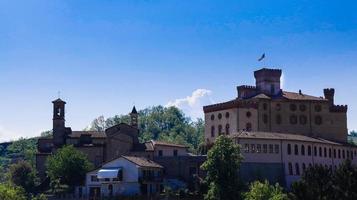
(339, 154)
(265, 118)
(272, 89)
(329, 153)
(343, 154)
(94, 178)
(212, 117)
(212, 131)
(248, 114)
(276, 148)
(348, 155)
(297, 168)
(248, 126)
(265, 106)
(351, 155)
(315, 151)
(302, 107)
(293, 107)
(278, 119)
(303, 119)
(175, 152)
(318, 120)
(227, 129)
(309, 150)
(271, 148)
(320, 151)
(325, 152)
(160, 153)
(219, 129)
(252, 148)
(302, 150)
(227, 114)
(246, 148)
(296, 149)
(318, 108)
(290, 169)
(259, 148)
(334, 153)
(289, 149)
(219, 115)
(278, 107)
(265, 148)
(293, 119)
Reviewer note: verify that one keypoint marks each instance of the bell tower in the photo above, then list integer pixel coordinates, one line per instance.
(58, 122)
(134, 118)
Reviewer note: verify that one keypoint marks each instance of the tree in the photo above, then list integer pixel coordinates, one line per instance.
(8, 192)
(265, 191)
(315, 184)
(22, 174)
(345, 181)
(222, 165)
(24, 148)
(68, 165)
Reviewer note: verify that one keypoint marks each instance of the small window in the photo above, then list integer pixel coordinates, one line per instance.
(265, 148)
(265, 118)
(272, 89)
(271, 148)
(249, 127)
(318, 120)
(296, 149)
(252, 148)
(219, 129)
(318, 108)
(212, 131)
(227, 114)
(289, 149)
(348, 155)
(248, 114)
(343, 154)
(320, 151)
(227, 129)
(175, 152)
(246, 148)
(315, 151)
(302, 107)
(219, 115)
(303, 167)
(297, 168)
(303, 119)
(278, 119)
(329, 153)
(278, 107)
(290, 169)
(160, 153)
(292, 107)
(339, 154)
(276, 148)
(293, 119)
(334, 153)
(302, 150)
(94, 178)
(259, 148)
(265, 106)
(309, 150)
(325, 152)
(212, 117)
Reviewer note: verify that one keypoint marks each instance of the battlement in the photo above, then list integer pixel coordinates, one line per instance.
(246, 87)
(246, 91)
(266, 72)
(339, 108)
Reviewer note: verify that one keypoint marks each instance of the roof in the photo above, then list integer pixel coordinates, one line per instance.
(59, 100)
(134, 111)
(280, 136)
(93, 134)
(161, 143)
(301, 96)
(142, 162)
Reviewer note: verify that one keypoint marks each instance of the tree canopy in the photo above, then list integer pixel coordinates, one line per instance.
(265, 191)
(222, 165)
(8, 192)
(23, 175)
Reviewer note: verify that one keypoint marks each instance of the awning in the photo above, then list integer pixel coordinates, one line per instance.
(108, 172)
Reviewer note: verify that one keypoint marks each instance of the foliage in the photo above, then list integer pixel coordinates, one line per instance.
(23, 175)
(345, 181)
(353, 133)
(8, 192)
(160, 123)
(222, 165)
(68, 165)
(265, 191)
(23, 149)
(39, 197)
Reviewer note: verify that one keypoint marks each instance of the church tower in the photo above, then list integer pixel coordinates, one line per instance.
(58, 122)
(134, 118)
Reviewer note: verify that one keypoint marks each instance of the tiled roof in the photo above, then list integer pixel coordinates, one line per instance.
(167, 144)
(280, 136)
(301, 96)
(93, 134)
(142, 162)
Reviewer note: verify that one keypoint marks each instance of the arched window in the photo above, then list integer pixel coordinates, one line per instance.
(293, 119)
(212, 131)
(297, 168)
(302, 150)
(329, 153)
(315, 151)
(227, 114)
(318, 120)
(318, 108)
(248, 114)
(339, 154)
(292, 107)
(289, 149)
(296, 149)
(309, 150)
(325, 152)
(303, 119)
(302, 107)
(278, 119)
(265, 106)
(320, 151)
(278, 107)
(290, 167)
(265, 118)
(248, 127)
(343, 154)
(219, 115)
(227, 129)
(219, 129)
(303, 167)
(212, 117)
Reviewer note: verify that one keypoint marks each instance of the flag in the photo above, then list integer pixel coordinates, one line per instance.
(261, 57)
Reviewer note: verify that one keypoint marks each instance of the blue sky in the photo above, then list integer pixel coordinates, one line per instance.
(104, 56)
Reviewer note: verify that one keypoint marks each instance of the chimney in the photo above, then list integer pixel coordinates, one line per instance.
(329, 95)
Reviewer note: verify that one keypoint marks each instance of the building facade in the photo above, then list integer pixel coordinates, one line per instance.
(281, 133)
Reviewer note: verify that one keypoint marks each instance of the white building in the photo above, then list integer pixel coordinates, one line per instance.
(124, 176)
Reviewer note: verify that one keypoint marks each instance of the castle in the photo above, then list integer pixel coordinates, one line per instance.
(281, 133)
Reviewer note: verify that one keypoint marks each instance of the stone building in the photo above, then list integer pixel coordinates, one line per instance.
(123, 139)
(281, 133)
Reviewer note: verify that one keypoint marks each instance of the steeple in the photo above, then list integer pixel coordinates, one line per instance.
(58, 122)
(134, 117)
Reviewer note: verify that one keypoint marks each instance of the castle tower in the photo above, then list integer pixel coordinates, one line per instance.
(268, 81)
(329, 95)
(134, 118)
(58, 122)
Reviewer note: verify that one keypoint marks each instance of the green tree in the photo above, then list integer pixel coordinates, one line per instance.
(265, 191)
(68, 165)
(8, 192)
(22, 174)
(316, 183)
(222, 165)
(345, 181)
(24, 148)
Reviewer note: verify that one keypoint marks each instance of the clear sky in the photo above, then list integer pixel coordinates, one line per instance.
(104, 56)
